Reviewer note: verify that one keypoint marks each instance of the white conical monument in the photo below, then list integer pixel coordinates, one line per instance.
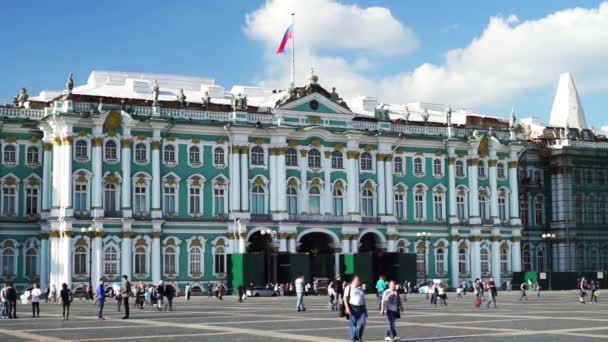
(567, 110)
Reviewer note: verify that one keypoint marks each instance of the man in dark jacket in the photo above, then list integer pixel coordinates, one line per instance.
(170, 294)
(11, 301)
(125, 292)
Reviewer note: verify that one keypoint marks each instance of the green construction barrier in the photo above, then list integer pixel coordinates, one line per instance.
(347, 265)
(365, 269)
(291, 265)
(244, 269)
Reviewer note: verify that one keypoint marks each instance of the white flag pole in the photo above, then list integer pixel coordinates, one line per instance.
(293, 51)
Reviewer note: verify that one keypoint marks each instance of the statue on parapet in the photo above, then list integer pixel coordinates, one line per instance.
(381, 112)
(448, 116)
(69, 85)
(181, 97)
(21, 98)
(206, 99)
(239, 102)
(425, 116)
(406, 114)
(156, 92)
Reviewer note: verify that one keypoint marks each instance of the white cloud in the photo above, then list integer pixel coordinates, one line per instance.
(508, 59)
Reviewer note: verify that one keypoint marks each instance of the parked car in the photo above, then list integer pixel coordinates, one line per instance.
(261, 292)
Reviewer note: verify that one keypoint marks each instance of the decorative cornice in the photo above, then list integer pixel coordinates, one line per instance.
(67, 234)
(516, 238)
(127, 234)
(495, 238)
(54, 234)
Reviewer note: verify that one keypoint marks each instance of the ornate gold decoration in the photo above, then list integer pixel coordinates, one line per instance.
(441, 244)
(126, 143)
(368, 185)
(113, 120)
(313, 119)
(259, 141)
(483, 192)
(516, 238)
(170, 180)
(399, 151)
(292, 143)
(258, 181)
(47, 146)
(141, 137)
(54, 233)
(419, 153)
(170, 242)
(155, 144)
(32, 181)
(484, 146)
(171, 137)
(292, 182)
(439, 191)
(393, 237)
(10, 139)
(10, 181)
(492, 162)
(315, 181)
(303, 153)
(504, 246)
(141, 242)
(327, 154)
(111, 132)
(475, 238)
(400, 188)
(82, 133)
(472, 162)
(156, 234)
(439, 153)
(346, 236)
(57, 141)
(67, 234)
(315, 143)
(368, 148)
(455, 237)
(112, 179)
(451, 160)
(67, 140)
(272, 151)
(338, 184)
(97, 141)
(127, 234)
(33, 139)
(281, 151)
(141, 179)
(338, 147)
(352, 155)
(43, 236)
(82, 177)
(512, 164)
(244, 149)
(81, 242)
(196, 243)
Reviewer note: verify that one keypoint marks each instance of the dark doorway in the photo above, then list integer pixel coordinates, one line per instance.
(319, 247)
(370, 244)
(261, 244)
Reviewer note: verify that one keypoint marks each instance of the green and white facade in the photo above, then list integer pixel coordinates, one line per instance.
(167, 184)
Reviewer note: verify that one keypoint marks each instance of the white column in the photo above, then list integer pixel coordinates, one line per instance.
(44, 260)
(282, 183)
(346, 243)
(352, 176)
(391, 244)
(381, 185)
(47, 162)
(126, 246)
(156, 272)
(473, 189)
(66, 257)
(326, 198)
(388, 179)
(126, 176)
(513, 187)
(156, 178)
(292, 243)
(245, 179)
(336, 262)
(235, 180)
(283, 242)
(493, 191)
(53, 258)
(516, 251)
(303, 200)
(274, 188)
(475, 252)
(97, 256)
(56, 186)
(355, 244)
(97, 173)
(454, 274)
(496, 255)
(452, 187)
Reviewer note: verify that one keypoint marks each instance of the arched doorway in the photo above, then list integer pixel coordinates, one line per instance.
(371, 246)
(319, 246)
(261, 245)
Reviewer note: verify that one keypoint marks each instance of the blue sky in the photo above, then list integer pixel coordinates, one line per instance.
(43, 41)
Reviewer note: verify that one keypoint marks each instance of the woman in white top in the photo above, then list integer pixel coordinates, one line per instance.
(391, 306)
(36, 293)
(355, 309)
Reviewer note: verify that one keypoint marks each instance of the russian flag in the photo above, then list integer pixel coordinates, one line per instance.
(288, 34)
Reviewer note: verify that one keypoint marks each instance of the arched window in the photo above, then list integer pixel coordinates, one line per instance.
(8, 262)
(292, 201)
(481, 169)
(80, 260)
(540, 260)
(10, 154)
(484, 257)
(420, 258)
(31, 262)
(111, 151)
(459, 168)
(257, 156)
(401, 247)
(220, 260)
(218, 156)
(80, 196)
(539, 210)
(337, 161)
(169, 154)
(110, 261)
(398, 164)
(463, 262)
(32, 156)
(196, 266)
(291, 157)
(314, 159)
(140, 260)
(314, 200)
(170, 260)
(366, 161)
(367, 203)
(338, 202)
(440, 261)
(504, 260)
(461, 211)
(418, 166)
(109, 199)
(257, 200)
(81, 150)
(141, 153)
(500, 170)
(437, 168)
(194, 155)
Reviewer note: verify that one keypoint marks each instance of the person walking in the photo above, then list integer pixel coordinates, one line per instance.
(188, 291)
(538, 289)
(492, 292)
(300, 293)
(66, 299)
(54, 294)
(239, 291)
(101, 298)
(355, 309)
(442, 295)
(391, 307)
(160, 295)
(209, 290)
(36, 294)
(381, 286)
(582, 286)
(47, 294)
(522, 289)
(3, 302)
(11, 300)
(125, 292)
(170, 294)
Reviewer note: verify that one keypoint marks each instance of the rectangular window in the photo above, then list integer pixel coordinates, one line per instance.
(195, 200)
(220, 260)
(169, 200)
(460, 208)
(9, 201)
(141, 204)
(440, 262)
(419, 206)
(109, 198)
(502, 209)
(218, 198)
(80, 197)
(31, 201)
(399, 205)
(438, 202)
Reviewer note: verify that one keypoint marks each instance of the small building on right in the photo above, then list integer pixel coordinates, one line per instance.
(563, 190)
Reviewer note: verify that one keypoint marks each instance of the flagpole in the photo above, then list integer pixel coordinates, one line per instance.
(293, 51)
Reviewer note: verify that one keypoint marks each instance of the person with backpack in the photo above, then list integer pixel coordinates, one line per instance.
(170, 294)
(355, 309)
(66, 299)
(522, 288)
(391, 307)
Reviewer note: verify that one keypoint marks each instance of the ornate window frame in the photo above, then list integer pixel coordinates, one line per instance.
(87, 147)
(167, 143)
(32, 181)
(82, 177)
(220, 182)
(118, 149)
(201, 155)
(138, 179)
(146, 144)
(196, 181)
(38, 161)
(170, 180)
(173, 242)
(6, 144)
(199, 242)
(9, 181)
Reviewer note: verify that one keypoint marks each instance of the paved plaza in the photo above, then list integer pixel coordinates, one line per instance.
(555, 317)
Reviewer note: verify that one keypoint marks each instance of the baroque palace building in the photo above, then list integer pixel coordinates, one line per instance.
(163, 177)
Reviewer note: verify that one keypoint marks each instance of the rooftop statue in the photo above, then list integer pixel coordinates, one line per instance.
(406, 114)
(512, 120)
(69, 85)
(448, 116)
(181, 97)
(156, 92)
(425, 116)
(21, 98)
(206, 99)
(381, 112)
(311, 82)
(239, 102)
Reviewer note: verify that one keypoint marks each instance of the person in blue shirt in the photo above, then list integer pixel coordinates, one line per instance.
(381, 286)
(101, 298)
